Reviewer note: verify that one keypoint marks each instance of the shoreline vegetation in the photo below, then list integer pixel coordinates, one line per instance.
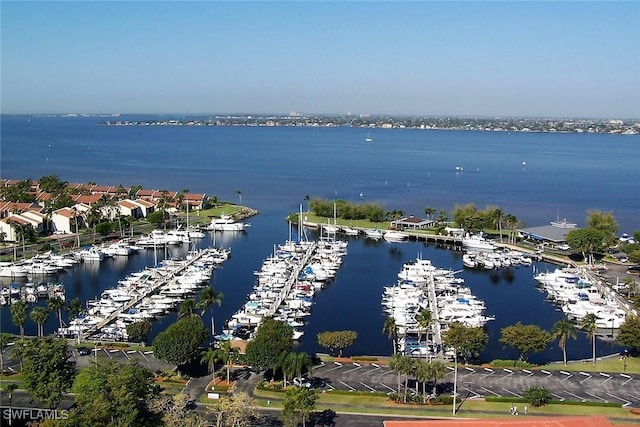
(375, 122)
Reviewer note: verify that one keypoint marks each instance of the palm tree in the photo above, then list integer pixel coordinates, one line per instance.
(39, 315)
(187, 308)
(56, 304)
(19, 315)
(306, 199)
(9, 389)
(209, 297)
(563, 330)
(239, 193)
(390, 329)
(228, 354)
(300, 362)
(285, 363)
(589, 324)
(402, 365)
(429, 211)
(438, 371)
(210, 357)
(422, 373)
(74, 309)
(424, 319)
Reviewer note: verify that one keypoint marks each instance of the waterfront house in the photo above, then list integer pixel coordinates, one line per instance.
(412, 223)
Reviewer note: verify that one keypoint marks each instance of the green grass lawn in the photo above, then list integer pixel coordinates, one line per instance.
(467, 408)
(611, 364)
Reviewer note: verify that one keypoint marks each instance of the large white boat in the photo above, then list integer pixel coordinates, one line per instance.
(477, 243)
(395, 236)
(226, 223)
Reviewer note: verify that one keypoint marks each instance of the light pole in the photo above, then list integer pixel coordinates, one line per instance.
(455, 381)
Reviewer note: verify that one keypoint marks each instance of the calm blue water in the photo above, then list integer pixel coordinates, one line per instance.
(565, 175)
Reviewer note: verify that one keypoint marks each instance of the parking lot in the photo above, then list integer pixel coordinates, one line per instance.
(474, 382)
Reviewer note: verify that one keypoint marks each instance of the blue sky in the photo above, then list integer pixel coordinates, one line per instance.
(549, 59)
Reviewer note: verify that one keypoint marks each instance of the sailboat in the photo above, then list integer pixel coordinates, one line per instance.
(368, 138)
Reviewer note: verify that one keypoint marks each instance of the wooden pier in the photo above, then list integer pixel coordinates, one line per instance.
(168, 279)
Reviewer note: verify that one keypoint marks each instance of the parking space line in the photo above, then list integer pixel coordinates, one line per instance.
(376, 367)
(489, 391)
(560, 398)
(370, 388)
(126, 355)
(629, 378)
(475, 395)
(508, 371)
(108, 354)
(549, 374)
(605, 375)
(386, 386)
(354, 369)
(586, 374)
(568, 375)
(489, 372)
(597, 397)
(627, 403)
(512, 392)
(346, 385)
(145, 357)
(528, 372)
(634, 396)
(576, 396)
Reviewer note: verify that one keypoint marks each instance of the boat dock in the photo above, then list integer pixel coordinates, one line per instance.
(293, 278)
(170, 278)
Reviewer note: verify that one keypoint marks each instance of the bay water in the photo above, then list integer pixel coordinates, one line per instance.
(538, 177)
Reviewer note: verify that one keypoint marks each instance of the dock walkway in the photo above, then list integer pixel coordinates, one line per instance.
(168, 279)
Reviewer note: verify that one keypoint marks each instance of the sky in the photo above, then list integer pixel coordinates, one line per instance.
(534, 59)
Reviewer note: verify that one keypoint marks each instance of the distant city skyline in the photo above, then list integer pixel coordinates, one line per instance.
(484, 59)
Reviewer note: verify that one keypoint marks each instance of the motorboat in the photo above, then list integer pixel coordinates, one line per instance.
(226, 223)
(395, 236)
(476, 242)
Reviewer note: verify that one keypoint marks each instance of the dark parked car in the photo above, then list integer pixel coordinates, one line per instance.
(83, 351)
(634, 269)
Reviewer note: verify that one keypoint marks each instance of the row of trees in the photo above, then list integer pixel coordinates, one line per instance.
(112, 394)
(423, 371)
(41, 314)
(469, 341)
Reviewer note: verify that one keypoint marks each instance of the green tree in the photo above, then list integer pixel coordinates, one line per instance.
(5, 339)
(438, 371)
(39, 315)
(563, 330)
(422, 372)
(629, 333)
(47, 371)
(586, 241)
(211, 356)
(156, 217)
(525, 338)
(301, 362)
(273, 338)
(337, 341)
(588, 323)
(179, 343)
(604, 222)
(56, 304)
(109, 393)
(187, 308)
(390, 329)
(19, 315)
(537, 396)
(429, 211)
(425, 320)
(298, 404)
(9, 388)
(140, 330)
(104, 228)
(403, 365)
(467, 341)
(209, 297)
(226, 354)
